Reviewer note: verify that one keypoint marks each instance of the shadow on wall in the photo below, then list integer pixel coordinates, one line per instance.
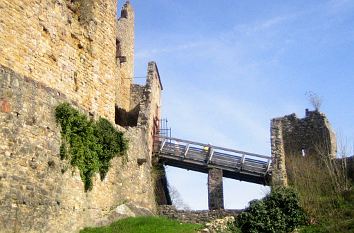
(350, 167)
(124, 118)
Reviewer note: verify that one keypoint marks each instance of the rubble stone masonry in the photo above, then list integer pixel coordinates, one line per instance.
(69, 46)
(125, 39)
(215, 189)
(65, 51)
(195, 216)
(39, 192)
(291, 136)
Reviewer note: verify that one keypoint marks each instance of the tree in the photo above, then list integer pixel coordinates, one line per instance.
(176, 198)
(314, 99)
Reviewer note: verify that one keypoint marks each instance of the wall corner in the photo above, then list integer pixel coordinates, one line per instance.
(279, 174)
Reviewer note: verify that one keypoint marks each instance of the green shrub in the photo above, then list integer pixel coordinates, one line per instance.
(112, 143)
(278, 212)
(89, 145)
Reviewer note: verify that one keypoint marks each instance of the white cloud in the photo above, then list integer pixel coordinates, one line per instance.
(147, 53)
(264, 25)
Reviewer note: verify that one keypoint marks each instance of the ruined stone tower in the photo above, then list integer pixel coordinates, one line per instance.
(74, 51)
(291, 136)
(125, 55)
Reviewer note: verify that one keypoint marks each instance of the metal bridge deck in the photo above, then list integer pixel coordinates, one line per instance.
(200, 157)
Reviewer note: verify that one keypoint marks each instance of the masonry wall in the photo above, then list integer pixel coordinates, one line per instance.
(41, 193)
(65, 51)
(312, 135)
(125, 59)
(149, 101)
(215, 189)
(197, 216)
(291, 136)
(279, 174)
(69, 46)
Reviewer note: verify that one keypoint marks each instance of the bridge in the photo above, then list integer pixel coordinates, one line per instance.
(217, 162)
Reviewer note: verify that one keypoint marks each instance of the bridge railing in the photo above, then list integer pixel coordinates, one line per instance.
(209, 155)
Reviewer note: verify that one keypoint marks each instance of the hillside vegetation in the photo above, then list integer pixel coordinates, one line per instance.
(326, 192)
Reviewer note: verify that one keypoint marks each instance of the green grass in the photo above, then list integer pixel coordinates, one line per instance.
(340, 221)
(146, 225)
(339, 226)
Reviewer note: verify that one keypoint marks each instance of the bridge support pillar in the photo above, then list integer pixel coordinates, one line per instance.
(215, 189)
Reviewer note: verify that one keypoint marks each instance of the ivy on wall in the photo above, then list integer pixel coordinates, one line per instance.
(89, 145)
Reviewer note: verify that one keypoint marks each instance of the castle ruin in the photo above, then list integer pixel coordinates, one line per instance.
(291, 136)
(74, 51)
(78, 51)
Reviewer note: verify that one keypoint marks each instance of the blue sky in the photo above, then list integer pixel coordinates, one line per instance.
(228, 67)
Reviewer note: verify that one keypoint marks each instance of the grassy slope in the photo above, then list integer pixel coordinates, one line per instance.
(145, 225)
(338, 220)
(321, 183)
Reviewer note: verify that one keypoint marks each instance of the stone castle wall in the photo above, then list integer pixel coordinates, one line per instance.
(125, 55)
(41, 191)
(291, 136)
(70, 46)
(151, 104)
(279, 174)
(65, 51)
(311, 135)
